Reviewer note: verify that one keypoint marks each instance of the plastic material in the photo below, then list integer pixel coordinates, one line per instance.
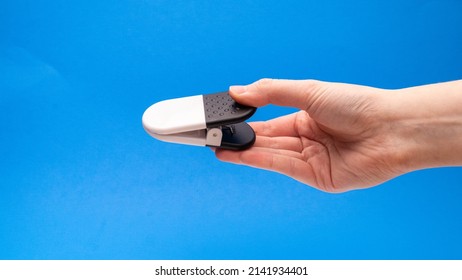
(238, 136)
(214, 120)
(221, 109)
(175, 115)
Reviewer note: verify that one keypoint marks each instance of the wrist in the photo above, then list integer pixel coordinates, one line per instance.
(426, 123)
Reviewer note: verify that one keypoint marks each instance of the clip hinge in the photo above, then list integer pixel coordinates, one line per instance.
(214, 137)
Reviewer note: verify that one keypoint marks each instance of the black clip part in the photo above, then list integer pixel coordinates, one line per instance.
(221, 111)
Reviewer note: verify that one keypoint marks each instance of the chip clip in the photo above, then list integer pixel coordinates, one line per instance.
(214, 120)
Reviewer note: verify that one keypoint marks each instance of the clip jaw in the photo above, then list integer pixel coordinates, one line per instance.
(214, 120)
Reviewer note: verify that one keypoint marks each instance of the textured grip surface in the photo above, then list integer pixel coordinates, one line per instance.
(220, 109)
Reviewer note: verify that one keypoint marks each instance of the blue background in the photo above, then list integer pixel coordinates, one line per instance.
(79, 177)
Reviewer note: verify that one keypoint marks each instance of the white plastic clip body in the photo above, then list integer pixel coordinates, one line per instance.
(179, 120)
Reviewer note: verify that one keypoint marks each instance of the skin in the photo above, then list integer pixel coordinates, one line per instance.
(348, 137)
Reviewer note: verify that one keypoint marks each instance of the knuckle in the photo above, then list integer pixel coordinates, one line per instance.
(314, 94)
(263, 84)
(311, 85)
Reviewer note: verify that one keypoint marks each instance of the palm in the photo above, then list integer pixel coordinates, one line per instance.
(330, 159)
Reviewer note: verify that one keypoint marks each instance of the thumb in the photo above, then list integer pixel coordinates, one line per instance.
(292, 93)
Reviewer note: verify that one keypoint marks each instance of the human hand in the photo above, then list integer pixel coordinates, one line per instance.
(344, 137)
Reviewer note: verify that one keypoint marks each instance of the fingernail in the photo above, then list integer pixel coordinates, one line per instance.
(238, 89)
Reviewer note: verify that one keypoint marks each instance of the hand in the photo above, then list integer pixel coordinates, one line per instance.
(344, 137)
